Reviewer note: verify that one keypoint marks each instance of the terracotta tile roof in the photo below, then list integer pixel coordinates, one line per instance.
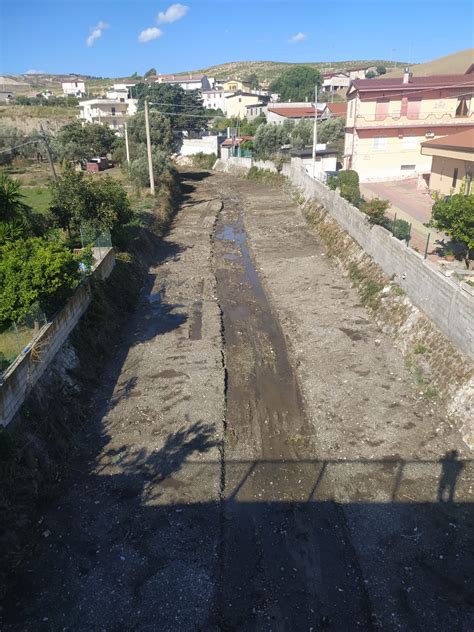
(337, 109)
(396, 83)
(236, 141)
(293, 112)
(463, 141)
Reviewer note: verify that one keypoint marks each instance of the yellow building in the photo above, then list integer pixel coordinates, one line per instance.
(388, 119)
(453, 162)
(236, 104)
(235, 84)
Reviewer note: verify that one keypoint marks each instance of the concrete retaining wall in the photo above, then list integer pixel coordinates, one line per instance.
(30, 365)
(443, 300)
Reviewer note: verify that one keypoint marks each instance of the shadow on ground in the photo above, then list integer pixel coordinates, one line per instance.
(129, 547)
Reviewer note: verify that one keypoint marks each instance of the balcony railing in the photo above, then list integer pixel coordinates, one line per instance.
(395, 120)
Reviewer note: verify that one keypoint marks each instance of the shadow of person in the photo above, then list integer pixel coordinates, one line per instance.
(449, 475)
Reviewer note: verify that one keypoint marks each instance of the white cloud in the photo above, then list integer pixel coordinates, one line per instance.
(35, 72)
(299, 37)
(172, 14)
(149, 34)
(96, 32)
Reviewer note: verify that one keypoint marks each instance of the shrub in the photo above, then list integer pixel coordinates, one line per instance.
(35, 270)
(401, 229)
(375, 210)
(205, 161)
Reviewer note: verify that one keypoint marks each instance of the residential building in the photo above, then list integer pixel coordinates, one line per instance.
(334, 110)
(452, 165)
(333, 81)
(186, 81)
(75, 88)
(326, 160)
(236, 85)
(235, 104)
(388, 119)
(231, 146)
(278, 113)
(254, 110)
(361, 72)
(6, 97)
(109, 111)
(216, 99)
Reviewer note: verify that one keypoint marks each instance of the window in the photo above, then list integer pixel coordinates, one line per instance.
(455, 177)
(113, 111)
(462, 108)
(413, 108)
(404, 106)
(381, 109)
(379, 144)
(408, 167)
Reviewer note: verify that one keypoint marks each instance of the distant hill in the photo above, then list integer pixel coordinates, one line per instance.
(456, 63)
(270, 70)
(265, 70)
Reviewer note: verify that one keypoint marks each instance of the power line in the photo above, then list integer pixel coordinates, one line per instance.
(30, 142)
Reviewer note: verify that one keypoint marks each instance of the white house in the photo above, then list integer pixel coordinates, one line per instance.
(335, 81)
(109, 111)
(188, 81)
(216, 99)
(74, 88)
(326, 160)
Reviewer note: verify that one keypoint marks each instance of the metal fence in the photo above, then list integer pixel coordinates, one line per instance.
(18, 337)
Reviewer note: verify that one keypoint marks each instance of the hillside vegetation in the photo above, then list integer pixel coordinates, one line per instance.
(456, 63)
(270, 70)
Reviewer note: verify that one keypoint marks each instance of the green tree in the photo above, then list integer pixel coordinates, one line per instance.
(150, 73)
(297, 83)
(35, 270)
(331, 130)
(79, 142)
(302, 134)
(15, 215)
(381, 70)
(161, 133)
(454, 215)
(79, 200)
(183, 108)
(370, 75)
(139, 171)
(253, 81)
(269, 139)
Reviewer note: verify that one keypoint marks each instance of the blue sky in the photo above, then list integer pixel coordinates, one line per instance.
(51, 35)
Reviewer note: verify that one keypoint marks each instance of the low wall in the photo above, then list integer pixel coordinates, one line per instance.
(30, 365)
(205, 145)
(448, 305)
(234, 165)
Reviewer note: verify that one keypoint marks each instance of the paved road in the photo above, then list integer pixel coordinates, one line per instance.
(259, 457)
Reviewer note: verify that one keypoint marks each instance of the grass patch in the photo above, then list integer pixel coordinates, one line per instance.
(420, 349)
(203, 161)
(265, 176)
(39, 198)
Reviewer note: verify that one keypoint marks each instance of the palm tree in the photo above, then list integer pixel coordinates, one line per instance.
(12, 206)
(14, 213)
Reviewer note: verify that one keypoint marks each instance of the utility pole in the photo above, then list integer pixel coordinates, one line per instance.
(148, 148)
(315, 129)
(48, 151)
(126, 143)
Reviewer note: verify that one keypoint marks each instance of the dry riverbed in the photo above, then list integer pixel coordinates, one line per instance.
(259, 457)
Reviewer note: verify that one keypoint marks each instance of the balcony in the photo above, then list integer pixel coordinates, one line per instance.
(371, 121)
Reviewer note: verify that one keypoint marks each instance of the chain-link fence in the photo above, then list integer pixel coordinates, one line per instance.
(18, 336)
